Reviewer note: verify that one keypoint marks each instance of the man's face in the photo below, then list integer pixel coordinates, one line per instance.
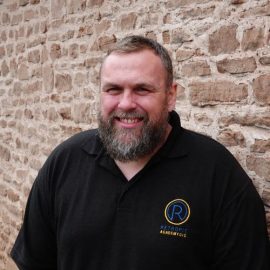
(134, 104)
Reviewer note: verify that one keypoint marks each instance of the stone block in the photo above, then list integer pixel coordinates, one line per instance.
(182, 55)
(127, 21)
(23, 2)
(238, 2)
(34, 56)
(3, 123)
(199, 68)
(63, 82)
(38, 40)
(75, 6)
(203, 119)
(67, 35)
(55, 51)
(2, 52)
(102, 26)
(229, 137)
(213, 93)
(17, 89)
(179, 36)
(260, 146)
(260, 165)
(3, 36)
(81, 113)
(33, 87)
(92, 62)
(12, 6)
(5, 18)
(261, 120)
(51, 114)
(166, 37)
(83, 48)
(35, 164)
(48, 78)
(261, 89)
(92, 3)
(4, 153)
(199, 12)
(151, 35)
(65, 113)
(266, 199)
(23, 72)
(74, 50)
(16, 19)
(80, 79)
(218, 41)
(4, 69)
(58, 8)
(44, 11)
(252, 39)
(12, 195)
(29, 15)
(265, 60)
(261, 10)
(28, 114)
(181, 3)
(85, 30)
(21, 173)
(9, 49)
(106, 42)
(238, 65)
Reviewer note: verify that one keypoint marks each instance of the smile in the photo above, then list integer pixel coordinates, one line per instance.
(129, 120)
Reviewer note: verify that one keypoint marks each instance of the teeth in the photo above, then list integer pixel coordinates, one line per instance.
(129, 120)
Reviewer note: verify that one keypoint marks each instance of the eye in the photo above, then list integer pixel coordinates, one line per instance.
(113, 90)
(142, 91)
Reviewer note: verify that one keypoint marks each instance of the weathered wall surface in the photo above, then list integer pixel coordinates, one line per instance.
(50, 52)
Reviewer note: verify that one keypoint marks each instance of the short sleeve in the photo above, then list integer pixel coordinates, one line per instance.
(35, 246)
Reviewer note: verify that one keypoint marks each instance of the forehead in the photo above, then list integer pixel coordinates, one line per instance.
(145, 60)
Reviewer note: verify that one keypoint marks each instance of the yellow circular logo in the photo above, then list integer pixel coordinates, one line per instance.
(177, 212)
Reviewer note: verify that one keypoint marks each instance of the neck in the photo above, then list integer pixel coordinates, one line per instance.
(131, 168)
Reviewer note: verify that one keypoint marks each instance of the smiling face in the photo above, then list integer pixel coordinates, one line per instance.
(134, 104)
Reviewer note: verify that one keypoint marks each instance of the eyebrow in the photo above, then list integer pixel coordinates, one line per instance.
(144, 85)
(137, 85)
(109, 85)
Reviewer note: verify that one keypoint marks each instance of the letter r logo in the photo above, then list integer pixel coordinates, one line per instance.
(177, 212)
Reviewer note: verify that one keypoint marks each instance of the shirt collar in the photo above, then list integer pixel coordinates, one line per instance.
(174, 146)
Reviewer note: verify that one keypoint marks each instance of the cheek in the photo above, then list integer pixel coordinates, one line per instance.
(107, 105)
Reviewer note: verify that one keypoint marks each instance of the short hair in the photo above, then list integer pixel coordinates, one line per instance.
(135, 43)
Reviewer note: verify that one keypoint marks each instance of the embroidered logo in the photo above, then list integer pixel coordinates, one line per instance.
(177, 212)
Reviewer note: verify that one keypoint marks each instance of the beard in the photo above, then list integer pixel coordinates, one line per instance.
(124, 144)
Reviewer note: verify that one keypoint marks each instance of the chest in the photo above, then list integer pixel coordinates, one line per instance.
(161, 216)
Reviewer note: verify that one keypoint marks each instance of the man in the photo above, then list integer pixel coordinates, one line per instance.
(141, 192)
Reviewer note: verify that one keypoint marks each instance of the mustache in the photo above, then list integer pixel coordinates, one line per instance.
(134, 114)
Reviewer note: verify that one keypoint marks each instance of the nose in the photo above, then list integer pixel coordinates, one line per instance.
(127, 101)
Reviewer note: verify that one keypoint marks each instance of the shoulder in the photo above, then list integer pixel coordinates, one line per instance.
(73, 149)
(202, 145)
(77, 142)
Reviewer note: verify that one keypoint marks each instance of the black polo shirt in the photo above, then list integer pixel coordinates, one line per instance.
(191, 207)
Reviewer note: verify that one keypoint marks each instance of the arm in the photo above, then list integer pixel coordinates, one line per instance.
(240, 234)
(35, 246)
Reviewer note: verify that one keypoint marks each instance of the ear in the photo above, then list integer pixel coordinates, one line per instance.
(172, 93)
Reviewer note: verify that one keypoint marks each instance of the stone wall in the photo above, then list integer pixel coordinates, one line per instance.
(50, 53)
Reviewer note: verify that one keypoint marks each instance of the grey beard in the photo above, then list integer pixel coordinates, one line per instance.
(137, 146)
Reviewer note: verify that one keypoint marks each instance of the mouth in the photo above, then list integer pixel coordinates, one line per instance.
(128, 120)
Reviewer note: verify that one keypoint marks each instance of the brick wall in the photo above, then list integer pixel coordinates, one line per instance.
(50, 52)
